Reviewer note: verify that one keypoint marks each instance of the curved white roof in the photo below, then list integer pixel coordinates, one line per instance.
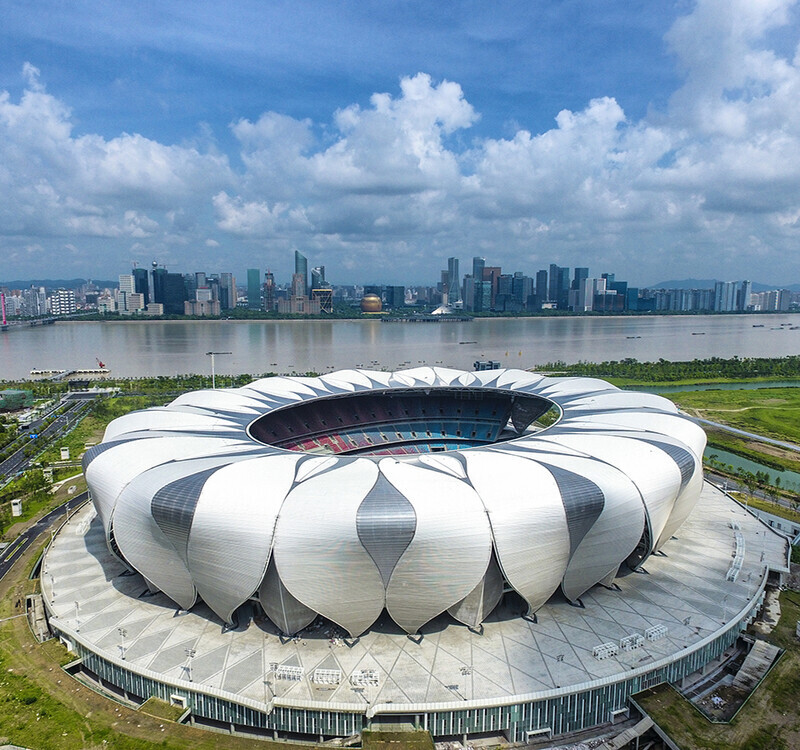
(200, 508)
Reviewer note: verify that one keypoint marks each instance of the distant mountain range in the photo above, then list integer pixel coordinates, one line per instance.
(709, 284)
(57, 283)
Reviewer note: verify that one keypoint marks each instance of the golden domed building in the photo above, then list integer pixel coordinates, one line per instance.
(371, 303)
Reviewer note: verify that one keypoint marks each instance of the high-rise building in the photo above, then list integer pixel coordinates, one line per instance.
(468, 293)
(725, 296)
(157, 277)
(62, 302)
(269, 291)
(453, 281)
(298, 285)
(227, 291)
(127, 283)
(522, 289)
(744, 295)
(552, 288)
(190, 284)
(318, 278)
(301, 267)
(395, 296)
(540, 291)
(492, 275)
(127, 287)
(173, 293)
(579, 275)
(141, 283)
(253, 289)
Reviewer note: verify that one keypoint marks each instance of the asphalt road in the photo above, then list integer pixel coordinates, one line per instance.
(18, 461)
(14, 550)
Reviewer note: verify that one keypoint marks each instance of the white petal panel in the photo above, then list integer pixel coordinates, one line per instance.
(476, 606)
(673, 425)
(620, 400)
(111, 471)
(232, 529)
(290, 615)
(164, 419)
(229, 400)
(564, 505)
(654, 473)
(450, 550)
(528, 521)
(318, 553)
(682, 507)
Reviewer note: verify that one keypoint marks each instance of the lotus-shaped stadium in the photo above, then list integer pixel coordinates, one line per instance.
(416, 492)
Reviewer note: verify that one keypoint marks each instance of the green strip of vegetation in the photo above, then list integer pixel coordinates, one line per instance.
(161, 709)
(790, 514)
(774, 412)
(712, 370)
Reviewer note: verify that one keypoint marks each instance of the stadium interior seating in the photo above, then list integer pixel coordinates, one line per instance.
(393, 422)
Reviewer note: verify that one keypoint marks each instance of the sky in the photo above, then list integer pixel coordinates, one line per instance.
(657, 140)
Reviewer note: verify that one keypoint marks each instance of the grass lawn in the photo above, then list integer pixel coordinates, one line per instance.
(92, 426)
(768, 721)
(774, 508)
(161, 709)
(774, 412)
(42, 707)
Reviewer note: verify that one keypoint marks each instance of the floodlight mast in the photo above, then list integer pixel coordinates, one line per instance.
(213, 374)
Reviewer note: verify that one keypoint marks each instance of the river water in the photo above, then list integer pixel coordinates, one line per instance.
(789, 480)
(138, 348)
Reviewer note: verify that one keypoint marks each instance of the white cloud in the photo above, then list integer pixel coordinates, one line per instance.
(719, 168)
(58, 184)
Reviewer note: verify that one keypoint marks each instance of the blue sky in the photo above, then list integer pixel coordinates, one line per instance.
(658, 140)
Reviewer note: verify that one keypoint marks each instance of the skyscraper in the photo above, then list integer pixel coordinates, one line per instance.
(745, 292)
(269, 291)
(453, 281)
(301, 267)
(141, 285)
(227, 291)
(725, 296)
(541, 288)
(318, 278)
(253, 289)
(579, 276)
(478, 264)
(558, 290)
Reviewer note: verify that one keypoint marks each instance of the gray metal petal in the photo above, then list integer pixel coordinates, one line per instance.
(290, 615)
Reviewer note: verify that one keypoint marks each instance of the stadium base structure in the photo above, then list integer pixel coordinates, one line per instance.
(572, 669)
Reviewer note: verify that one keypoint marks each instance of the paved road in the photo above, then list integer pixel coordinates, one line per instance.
(14, 550)
(18, 461)
(751, 435)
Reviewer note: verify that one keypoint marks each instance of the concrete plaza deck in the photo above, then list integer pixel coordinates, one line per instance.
(686, 590)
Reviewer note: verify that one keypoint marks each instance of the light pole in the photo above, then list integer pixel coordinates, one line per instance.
(190, 652)
(122, 633)
(213, 375)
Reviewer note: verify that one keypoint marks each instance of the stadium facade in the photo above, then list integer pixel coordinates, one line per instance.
(434, 497)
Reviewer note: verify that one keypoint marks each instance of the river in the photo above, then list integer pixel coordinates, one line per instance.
(138, 348)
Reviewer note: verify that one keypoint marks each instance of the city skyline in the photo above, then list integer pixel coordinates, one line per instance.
(380, 139)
